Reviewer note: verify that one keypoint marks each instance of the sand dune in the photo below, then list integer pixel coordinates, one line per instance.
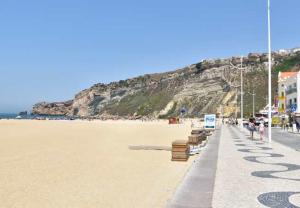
(87, 164)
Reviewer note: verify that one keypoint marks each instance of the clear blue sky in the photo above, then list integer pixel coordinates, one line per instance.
(52, 49)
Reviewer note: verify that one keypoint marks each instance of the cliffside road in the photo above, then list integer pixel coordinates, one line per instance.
(252, 173)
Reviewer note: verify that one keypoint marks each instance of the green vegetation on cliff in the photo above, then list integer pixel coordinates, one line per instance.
(289, 64)
(257, 82)
(142, 103)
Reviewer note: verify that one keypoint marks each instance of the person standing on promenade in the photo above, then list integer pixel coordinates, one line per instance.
(261, 130)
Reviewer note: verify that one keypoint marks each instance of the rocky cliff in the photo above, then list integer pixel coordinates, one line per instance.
(209, 86)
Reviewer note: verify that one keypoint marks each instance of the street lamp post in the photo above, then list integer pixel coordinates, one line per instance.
(270, 75)
(242, 92)
(253, 102)
(236, 103)
(242, 96)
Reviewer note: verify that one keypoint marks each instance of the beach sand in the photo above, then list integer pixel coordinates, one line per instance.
(87, 164)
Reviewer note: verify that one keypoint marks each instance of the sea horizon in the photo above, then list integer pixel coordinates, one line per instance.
(12, 116)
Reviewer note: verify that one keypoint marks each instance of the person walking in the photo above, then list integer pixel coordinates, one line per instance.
(192, 124)
(261, 130)
(287, 126)
(297, 126)
(251, 128)
(282, 124)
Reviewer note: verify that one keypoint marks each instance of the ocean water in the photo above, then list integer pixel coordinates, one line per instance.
(8, 115)
(14, 115)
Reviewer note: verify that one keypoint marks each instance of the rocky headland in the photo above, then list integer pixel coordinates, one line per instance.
(209, 86)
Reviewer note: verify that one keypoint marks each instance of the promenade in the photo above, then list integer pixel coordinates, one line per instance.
(254, 173)
(249, 174)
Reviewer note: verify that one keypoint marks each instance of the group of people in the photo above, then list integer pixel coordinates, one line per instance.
(287, 123)
(252, 127)
(231, 121)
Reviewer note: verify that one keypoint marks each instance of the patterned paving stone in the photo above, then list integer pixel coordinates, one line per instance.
(273, 199)
(259, 143)
(277, 199)
(269, 172)
(295, 199)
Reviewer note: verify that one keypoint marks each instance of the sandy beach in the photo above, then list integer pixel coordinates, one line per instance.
(81, 164)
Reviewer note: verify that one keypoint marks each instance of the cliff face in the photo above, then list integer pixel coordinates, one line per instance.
(58, 108)
(199, 88)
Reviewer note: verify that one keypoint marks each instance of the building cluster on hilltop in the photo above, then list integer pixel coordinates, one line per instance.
(288, 85)
(288, 97)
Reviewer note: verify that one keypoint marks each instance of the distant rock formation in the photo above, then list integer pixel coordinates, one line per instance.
(201, 88)
(23, 113)
(57, 108)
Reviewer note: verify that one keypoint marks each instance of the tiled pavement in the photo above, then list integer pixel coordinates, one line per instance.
(251, 173)
(248, 174)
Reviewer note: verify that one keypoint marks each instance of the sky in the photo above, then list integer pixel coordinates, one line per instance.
(52, 49)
